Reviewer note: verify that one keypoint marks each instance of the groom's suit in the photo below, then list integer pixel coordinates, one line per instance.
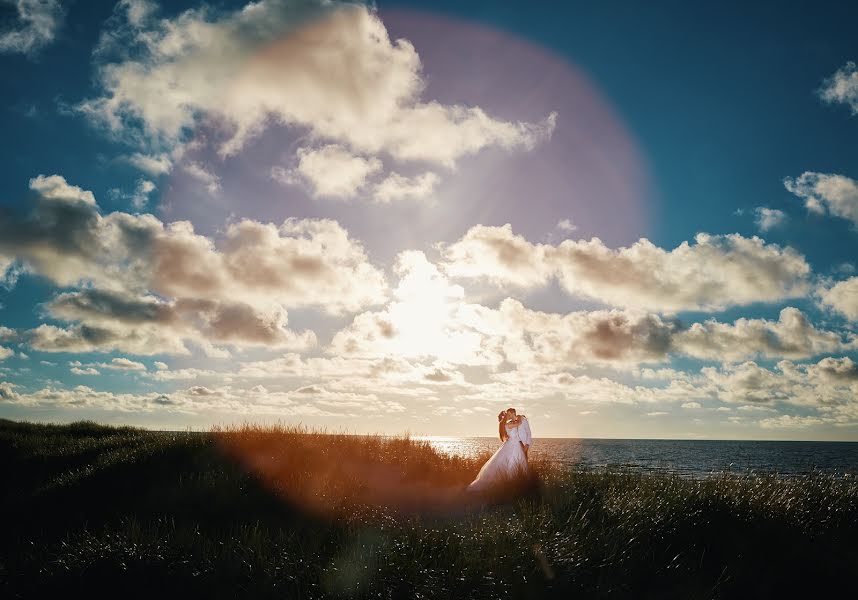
(524, 433)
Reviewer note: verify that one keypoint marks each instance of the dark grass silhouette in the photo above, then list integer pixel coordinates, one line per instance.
(281, 512)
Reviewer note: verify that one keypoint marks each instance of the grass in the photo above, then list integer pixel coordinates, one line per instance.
(285, 513)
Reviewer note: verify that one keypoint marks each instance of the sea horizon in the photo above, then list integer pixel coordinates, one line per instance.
(686, 457)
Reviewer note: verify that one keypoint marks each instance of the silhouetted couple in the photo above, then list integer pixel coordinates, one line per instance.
(510, 460)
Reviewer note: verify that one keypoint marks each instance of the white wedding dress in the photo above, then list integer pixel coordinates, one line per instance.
(508, 461)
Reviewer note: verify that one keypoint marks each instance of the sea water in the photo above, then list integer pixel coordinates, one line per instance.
(693, 458)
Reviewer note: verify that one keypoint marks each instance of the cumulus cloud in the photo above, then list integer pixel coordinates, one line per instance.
(55, 188)
(329, 68)
(36, 26)
(84, 371)
(65, 238)
(791, 336)
(210, 180)
(711, 274)
(419, 321)
(140, 198)
(842, 297)
(124, 364)
(396, 187)
(500, 256)
(151, 287)
(6, 272)
(303, 262)
(331, 171)
(114, 336)
(528, 337)
(790, 422)
(151, 164)
(204, 400)
(534, 338)
(830, 384)
(826, 193)
(842, 87)
(5, 353)
(183, 374)
(566, 225)
(146, 325)
(7, 392)
(429, 317)
(768, 218)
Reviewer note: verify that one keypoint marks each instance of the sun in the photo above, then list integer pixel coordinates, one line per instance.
(425, 314)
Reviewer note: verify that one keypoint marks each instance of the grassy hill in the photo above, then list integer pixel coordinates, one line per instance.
(286, 513)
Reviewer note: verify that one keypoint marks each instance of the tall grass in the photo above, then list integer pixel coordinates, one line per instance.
(285, 512)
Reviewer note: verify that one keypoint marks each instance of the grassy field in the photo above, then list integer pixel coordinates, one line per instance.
(285, 513)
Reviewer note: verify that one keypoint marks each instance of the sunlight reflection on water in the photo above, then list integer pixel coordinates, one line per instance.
(694, 458)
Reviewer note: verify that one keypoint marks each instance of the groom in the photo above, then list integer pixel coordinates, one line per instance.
(524, 429)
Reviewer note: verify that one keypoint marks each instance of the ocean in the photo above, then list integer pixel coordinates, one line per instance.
(693, 458)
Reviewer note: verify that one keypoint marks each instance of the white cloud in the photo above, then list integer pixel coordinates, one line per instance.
(834, 194)
(115, 335)
(84, 371)
(566, 225)
(140, 198)
(330, 68)
(151, 164)
(202, 400)
(150, 288)
(303, 262)
(790, 422)
(395, 187)
(500, 256)
(768, 218)
(65, 239)
(146, 325)
(204, 176)
(691, 405)
(842, 297)
(830, 384)
(331, 171)
(791, 336)
(420, 321)
(747, 382)
(429, 317)
(713, 273)
(36, 26)
(183, 374)
(6, 271)
(5, 353)
(842, 87)
(306, 262)
(55, 188)
(161, 366)
(124, 364)
(534, 339)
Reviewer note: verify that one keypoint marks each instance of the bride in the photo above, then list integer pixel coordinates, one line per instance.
(508, 461)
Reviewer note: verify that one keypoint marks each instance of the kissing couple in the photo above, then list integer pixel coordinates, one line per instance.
(510, 460)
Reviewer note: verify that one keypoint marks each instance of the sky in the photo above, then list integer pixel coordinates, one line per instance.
(624, 221)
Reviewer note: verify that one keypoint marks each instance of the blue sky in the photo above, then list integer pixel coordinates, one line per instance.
(628, 222)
